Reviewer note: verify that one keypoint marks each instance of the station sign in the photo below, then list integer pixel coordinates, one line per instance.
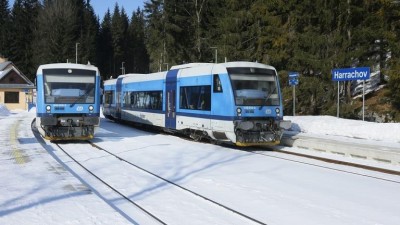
(293, 78)
(358, 73)
(293, 82)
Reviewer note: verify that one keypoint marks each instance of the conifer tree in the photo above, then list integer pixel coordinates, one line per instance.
(119, 27)
(88, 34)
(57, 35)
(105, 47)
(139, 58)
(23, 26)
(391, 13)
(4, 27)
(156, 38)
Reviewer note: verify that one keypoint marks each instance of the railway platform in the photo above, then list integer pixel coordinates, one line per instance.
(36, 189)
(378, 152)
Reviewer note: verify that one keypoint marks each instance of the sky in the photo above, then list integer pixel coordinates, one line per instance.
(40, 185)
(100, 6)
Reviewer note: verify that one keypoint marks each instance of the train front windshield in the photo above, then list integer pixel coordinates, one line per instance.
(254, 86)
(63, 86)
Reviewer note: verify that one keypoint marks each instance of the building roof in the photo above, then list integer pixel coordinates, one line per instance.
(17, 86)
(6, 68)
(3, 65)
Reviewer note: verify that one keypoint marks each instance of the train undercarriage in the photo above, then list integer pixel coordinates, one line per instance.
(67, 128)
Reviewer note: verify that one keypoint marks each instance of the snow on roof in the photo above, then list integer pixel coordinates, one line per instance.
(189, 65)
(4, 65)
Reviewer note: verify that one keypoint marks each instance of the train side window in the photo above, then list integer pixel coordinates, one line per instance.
(146, 100)
(108, 97)
(217, 84)
(127, 99)
(195, 98)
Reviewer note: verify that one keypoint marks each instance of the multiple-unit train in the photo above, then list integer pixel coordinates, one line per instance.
(235, 102)
(68, 101)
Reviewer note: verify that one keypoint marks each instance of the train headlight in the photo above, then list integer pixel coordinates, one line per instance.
(277, 110)
(48, 108)
(91, 108)
(239, 111)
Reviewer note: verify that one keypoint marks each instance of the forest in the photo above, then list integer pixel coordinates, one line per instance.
(311, 37)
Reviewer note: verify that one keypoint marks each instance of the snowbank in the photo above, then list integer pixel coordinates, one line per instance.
(3, 110)
(329, 125)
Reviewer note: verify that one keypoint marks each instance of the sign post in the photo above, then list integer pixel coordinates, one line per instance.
(293, 81)
(358, 73)
(338, 99)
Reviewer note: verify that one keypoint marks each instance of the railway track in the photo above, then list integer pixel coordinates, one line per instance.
(157, 219)
(280, 155)
(330, 161)
(62, 146)
(257, 150)
(178, 186)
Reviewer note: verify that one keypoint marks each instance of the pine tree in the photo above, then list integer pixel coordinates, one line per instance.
(89, 34)
(178, 32)
(4, 27)
(119, 27)
(138, 57)
(23, 25)
(391, 13)
(57, 35)
(235, 30)
(105, 47)
(156, 38)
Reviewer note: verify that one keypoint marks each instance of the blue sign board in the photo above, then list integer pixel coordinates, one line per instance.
(293, 75)
(293, 82)
(359, 73)
(293, 78)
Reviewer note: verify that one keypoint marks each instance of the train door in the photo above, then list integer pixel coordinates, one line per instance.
(170, 99)
(118, 98)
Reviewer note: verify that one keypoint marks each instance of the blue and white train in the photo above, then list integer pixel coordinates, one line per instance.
(68, 101)
(235, 102)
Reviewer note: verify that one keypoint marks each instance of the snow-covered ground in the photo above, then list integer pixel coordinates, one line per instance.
(4, 111)
(333, 126)
(36, 189)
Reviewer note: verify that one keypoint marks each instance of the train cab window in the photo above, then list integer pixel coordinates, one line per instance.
(69, 86)
(217, 88)
(195, 98)
(254, 86)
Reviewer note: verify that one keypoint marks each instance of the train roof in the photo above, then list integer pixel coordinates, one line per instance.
(190, 65)
(226, 64)
(247, 64)
(66, 66)
(143, 77)
(199, 68)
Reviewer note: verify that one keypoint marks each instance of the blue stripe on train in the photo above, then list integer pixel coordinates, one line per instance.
(194, 115)
(69, 114)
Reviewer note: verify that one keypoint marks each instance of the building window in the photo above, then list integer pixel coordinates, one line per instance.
(11, 97)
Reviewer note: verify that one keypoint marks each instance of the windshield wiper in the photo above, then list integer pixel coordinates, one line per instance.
(268, 96)
(82, 96)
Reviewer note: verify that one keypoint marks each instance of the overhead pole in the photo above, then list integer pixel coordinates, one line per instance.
(76, 52)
